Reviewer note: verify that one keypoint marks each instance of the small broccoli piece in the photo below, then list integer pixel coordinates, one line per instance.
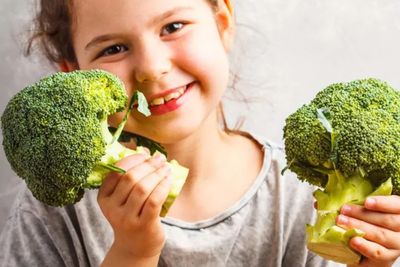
(346, 142)
(56, 137)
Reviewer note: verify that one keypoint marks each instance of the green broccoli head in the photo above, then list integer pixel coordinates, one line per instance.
(307, 145)
(346, 141)
(55, 122)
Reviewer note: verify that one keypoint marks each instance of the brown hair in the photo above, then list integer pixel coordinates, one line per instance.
(52, 31)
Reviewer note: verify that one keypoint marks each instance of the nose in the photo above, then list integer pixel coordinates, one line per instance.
(152, 61)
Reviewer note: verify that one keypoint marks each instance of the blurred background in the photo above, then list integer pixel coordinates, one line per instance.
(285, 51)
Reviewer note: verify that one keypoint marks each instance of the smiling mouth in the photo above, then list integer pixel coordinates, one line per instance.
(169, 97)
(171, 101)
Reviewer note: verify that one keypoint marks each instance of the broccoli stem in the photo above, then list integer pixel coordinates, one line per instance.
(324, 237)
(114, 150)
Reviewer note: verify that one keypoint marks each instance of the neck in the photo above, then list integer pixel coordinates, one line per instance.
(202, 151)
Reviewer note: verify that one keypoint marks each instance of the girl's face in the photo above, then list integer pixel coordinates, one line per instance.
(166, 49)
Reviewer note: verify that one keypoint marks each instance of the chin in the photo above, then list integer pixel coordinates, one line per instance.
(173, 134)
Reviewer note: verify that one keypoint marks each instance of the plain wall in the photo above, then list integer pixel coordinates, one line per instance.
(286, 50)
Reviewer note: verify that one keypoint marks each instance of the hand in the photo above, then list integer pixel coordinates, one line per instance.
(132, 203)
(379, 218)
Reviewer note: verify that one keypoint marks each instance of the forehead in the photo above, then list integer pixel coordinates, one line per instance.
(131, 18)
(104, 14)
(115, 8)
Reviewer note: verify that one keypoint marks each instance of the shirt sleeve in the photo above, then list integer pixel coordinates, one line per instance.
(25, 241)
(39, 235)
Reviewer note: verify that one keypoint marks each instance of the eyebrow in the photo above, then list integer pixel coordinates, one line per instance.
(99, 39)
(169, 13)
(106, 37)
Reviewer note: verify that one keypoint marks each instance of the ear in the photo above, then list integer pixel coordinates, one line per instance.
(229, 6)
(67, 66)
(225, 23)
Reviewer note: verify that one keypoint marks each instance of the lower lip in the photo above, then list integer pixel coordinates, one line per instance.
(172, 104)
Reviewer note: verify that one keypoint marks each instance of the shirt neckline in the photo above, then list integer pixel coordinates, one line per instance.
(201, 224)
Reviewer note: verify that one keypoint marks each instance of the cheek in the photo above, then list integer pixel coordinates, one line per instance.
(206, 59)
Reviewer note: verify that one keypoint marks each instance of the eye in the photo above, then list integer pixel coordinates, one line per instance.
(171, 28)
(112, 50)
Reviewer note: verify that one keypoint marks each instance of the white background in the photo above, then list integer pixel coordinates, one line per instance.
(286, 50)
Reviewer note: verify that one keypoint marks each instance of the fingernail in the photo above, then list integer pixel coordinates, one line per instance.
(356, 241)
(341, 219)
(370, 202)
(146, 150)
(160, 157)
(143, 150)
(345, 209)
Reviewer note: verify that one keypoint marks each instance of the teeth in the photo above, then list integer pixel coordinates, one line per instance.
(174, 95)
(157, 101)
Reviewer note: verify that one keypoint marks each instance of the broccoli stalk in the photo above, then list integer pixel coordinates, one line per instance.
(345, 142)
(114, 150)
(324, 237)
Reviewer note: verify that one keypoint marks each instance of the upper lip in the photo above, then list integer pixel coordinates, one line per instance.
(165, 93)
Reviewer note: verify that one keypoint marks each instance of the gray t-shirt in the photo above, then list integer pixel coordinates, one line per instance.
(266, 227)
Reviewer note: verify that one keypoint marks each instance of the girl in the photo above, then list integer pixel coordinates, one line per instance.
(234, 210)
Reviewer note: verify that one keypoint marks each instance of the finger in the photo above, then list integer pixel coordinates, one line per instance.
(108, 185)
(387, 204)
(373, 251)
(143, 149)
(386, 220)
(385, 237)
(132, 160)
(153, 205)
(143, 189)
(133, 176)
(112, 179)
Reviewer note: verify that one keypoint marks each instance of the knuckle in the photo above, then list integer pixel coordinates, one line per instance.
(154, 203)
(129, 177)
(381, 235)
(163, 170)
(353, 223)
(393, 221)
(377, 254)
(141, 190)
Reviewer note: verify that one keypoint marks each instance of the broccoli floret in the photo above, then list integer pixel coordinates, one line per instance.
(346, 142)
(56, 136)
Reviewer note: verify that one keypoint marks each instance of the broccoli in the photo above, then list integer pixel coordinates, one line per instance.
(346, 142)
(56, 136)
